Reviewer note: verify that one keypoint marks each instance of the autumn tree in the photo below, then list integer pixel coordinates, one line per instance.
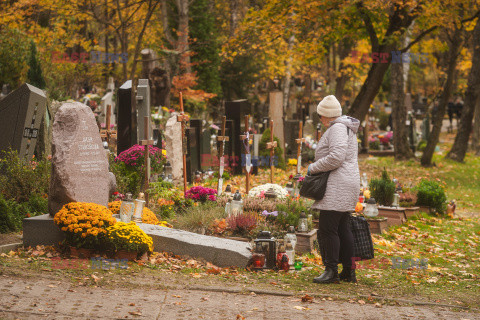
(472, 94)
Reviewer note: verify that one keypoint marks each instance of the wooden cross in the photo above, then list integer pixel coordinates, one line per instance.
(146, 143)
(299, 142)
(271, 145)
(246, 141)
(221, 151)
(183, 119)
(109, 135)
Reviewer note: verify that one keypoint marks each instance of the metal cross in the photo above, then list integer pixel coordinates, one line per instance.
(221, 151)
(146, 143)
(248, 159)
(299, 142)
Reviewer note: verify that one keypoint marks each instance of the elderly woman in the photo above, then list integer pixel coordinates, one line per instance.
(336, 152)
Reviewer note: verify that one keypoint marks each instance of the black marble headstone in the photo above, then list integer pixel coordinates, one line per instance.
(291, 128)
(126, 136)
(236, 111)
(193, 147)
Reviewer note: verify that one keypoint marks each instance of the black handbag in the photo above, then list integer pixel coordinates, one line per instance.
(314, 186)
(362, 239)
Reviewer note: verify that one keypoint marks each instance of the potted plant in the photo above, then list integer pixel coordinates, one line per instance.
(383, 191)
(84, 225)
(128, 240)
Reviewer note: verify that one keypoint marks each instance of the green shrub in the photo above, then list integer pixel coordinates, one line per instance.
(431, 194)
(128, 178)
(383, 189)
(421, 145)
(20, 178)
(13, 213)
(290, 210)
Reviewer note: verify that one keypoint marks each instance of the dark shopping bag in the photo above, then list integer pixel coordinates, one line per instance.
(363, 245)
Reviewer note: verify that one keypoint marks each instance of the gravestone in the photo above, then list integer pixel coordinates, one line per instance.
(125, 135)
(194, 148)
(291, 133)
(107, 99)
(236, 111)
(21, 114)
(143, 109)
(206, 149)
(4, 91)
(309, 129)
(275, 112)
(256, 161)
(79, 161)
(111, 84)
(173, 145)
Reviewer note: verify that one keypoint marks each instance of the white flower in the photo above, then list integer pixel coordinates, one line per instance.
(280, 191)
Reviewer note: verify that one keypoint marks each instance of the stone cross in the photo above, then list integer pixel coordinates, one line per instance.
(183, 119)
(271, 145)
(299, 142)
(221, 152)
(248, 160)
(146, 143)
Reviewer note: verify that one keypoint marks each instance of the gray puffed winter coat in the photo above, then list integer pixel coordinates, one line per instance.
(337, 151)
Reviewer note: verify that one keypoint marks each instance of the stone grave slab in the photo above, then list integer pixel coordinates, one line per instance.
(79, 161)
(219, 251)
(21, 114)
(41, 230)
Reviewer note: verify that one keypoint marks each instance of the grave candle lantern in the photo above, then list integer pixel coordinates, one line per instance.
(139, 205)
(268, 246)
(237, 204)
(371, 209)
(303, 223)
(396, 199)
(126, 208)
(290, 189)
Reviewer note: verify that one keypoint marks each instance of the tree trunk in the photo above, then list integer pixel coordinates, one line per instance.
(183, 31)
(399, 114)
(476, 129)
(288, 74)
(234, 16)
(345, 49)
(454, 47)
(460, 146)
(370, 87)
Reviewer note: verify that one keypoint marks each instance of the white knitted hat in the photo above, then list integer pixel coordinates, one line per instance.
(329, 107)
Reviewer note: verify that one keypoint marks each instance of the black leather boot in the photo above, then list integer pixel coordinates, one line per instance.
(329, 276)
(348, 275)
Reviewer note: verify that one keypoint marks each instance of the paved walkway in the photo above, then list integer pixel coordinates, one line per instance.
(48, 299)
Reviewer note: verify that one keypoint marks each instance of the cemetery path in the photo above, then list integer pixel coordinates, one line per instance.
(49, 298)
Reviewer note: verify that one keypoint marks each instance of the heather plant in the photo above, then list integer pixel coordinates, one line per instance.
(135, 157)
(199, 218)
(242, 224)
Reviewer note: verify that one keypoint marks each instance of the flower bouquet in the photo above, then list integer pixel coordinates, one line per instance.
(129, 237)
(259, 191)
(201, 194)
(84, 224)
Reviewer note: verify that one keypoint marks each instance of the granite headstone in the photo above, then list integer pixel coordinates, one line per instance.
(21, 114)
(79, 161)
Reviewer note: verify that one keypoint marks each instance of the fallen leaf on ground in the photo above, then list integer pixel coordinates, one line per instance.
(307, 298)
(301, 308)
(361, 302)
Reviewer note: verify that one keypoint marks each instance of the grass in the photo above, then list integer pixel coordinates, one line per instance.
(461, 180)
